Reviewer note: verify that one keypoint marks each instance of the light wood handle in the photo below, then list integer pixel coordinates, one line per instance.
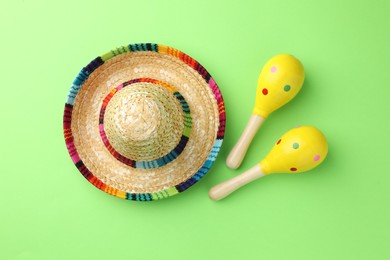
(239, 150)
(223, 189)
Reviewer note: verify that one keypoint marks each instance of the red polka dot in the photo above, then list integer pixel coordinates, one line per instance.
(265, 91)
(293, 169)
(279, 141)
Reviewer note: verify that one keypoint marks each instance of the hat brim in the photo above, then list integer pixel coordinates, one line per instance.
(81, 121)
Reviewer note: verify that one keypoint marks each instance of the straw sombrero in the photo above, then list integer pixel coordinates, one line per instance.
(144, 122)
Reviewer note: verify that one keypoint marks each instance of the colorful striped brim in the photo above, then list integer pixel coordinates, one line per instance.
(144, 122)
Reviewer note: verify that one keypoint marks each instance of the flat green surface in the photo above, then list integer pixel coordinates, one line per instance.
(339, 210)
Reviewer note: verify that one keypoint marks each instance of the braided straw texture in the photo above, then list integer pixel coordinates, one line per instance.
(144, 121)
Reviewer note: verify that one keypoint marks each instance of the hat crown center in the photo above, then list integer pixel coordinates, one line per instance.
(137, 118)
(143, 121)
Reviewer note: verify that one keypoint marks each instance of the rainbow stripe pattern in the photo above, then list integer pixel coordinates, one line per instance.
(83, 76)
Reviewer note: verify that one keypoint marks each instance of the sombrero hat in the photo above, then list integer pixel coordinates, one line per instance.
(144, 122)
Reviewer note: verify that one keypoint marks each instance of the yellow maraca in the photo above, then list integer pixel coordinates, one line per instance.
(299, 150)
(280, 80)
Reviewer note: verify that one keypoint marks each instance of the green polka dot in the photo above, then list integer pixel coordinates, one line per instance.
(295, 145)
(287, 88)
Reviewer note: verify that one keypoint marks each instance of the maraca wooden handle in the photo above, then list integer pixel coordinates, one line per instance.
(239, 150)
(223, 189)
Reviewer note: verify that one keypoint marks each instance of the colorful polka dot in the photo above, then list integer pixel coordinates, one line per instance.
(279, 141)
(317, 157)
(273, 69)
(264, 91)
(287, 88)
(293, 169)
(295, 145)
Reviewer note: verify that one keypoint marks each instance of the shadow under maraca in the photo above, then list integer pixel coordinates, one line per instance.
(295, 109)
(252, 192)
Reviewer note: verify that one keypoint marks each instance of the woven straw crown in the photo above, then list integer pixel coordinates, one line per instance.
(144, 122)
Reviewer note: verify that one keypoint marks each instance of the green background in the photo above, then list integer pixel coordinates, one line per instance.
(339, 210)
